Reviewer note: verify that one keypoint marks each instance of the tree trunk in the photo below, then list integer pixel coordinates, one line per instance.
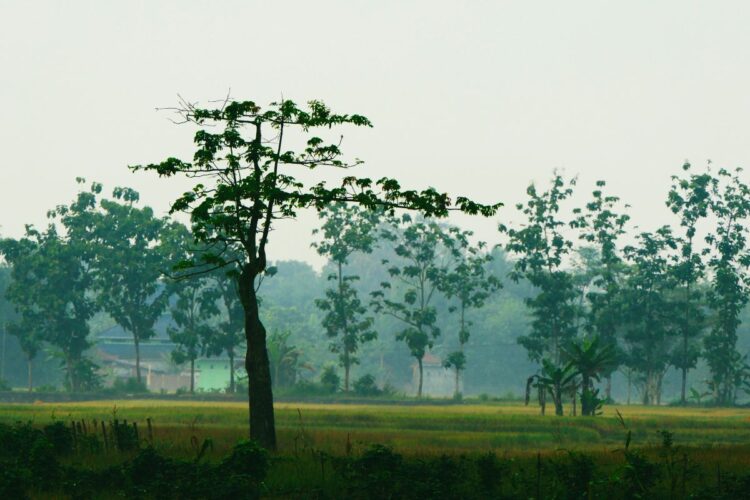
(608, 390)
(456, 391)
(586, 409)
(683, 401)
(192, 376)
(230, 353)
(345, 332)
(575, 404)
(72, 379)
(542, 393)
(31, 378)
(137, 343)
(346, 373)
(685, 334)
(659, 379)
(419, 389)
(558, 403)
(260, 393)
(630, 385)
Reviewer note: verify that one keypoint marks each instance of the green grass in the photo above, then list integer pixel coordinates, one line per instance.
(411, 430)
(708, 440)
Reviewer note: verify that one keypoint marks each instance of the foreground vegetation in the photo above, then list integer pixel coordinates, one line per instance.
(374, 451)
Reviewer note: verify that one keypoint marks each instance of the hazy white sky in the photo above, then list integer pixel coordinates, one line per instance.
(476, 98)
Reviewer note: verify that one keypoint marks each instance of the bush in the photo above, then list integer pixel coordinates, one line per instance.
(304, 388)
(330, 379)
(60, 437)
(4, 385)
(129, 385)
(365, 386)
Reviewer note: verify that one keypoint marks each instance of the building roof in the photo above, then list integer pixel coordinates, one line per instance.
(118, 333)
(116, 342)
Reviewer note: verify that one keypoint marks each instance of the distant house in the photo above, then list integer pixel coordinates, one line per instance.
(213, 373)
(437, 381)
(116, 353)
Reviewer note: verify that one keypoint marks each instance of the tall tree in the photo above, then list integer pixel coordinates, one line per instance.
(602, 224)
(468, 282)
(730, 206)
(541, 247)
(246, 183)
(131, 259)
(416, 273)
(347, 229)
(690, 199)
(51, 287)
(649, 312)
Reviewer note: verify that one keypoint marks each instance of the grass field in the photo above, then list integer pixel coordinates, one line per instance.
(539, 456)
(411, 430)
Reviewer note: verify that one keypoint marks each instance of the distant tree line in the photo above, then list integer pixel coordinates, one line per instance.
(600, 299)
(599, 296)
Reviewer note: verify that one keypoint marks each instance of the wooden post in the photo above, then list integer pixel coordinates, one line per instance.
(150, 432)
(104, 436)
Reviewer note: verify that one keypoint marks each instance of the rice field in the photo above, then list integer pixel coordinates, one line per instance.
(416, 430)
(455, 451)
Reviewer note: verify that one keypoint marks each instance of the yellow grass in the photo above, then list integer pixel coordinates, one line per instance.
(506, 428)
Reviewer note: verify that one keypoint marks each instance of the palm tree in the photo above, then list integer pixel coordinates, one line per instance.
(284, 359)
(591, 359)
(553, 379)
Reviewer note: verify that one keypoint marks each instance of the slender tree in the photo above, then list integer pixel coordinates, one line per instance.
(690, 199)
(468, 282)
(649, 310)
(730, 206)
(131, 259)
(541, 247)
(602, 224)
(417, 245)
(347, 229)
(245, 182)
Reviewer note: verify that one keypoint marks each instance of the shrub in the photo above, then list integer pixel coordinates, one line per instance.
(366, 386)
(60, 436)
(491, 473)
(129, 385)
(4, 385)
(376, 473)
(330, 379)
(242, 473)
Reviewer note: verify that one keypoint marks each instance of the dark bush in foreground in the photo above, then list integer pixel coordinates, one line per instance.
(44, 462)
